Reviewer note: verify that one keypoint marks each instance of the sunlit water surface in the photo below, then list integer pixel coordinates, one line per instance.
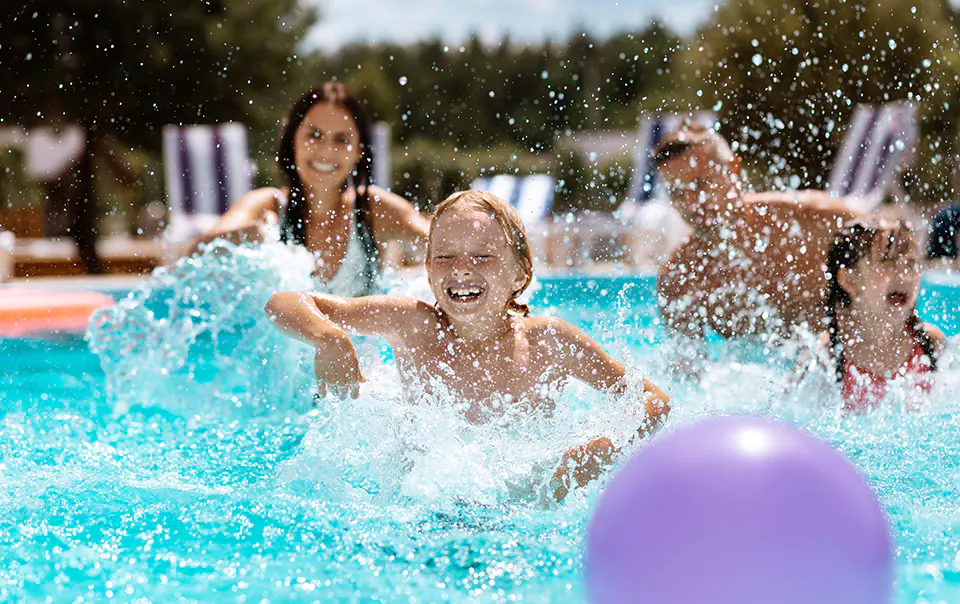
(176, 454)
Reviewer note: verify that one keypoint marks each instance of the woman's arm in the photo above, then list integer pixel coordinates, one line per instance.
(244, 221)
(396, 218)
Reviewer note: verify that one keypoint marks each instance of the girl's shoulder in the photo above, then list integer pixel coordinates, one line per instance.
(936, 335)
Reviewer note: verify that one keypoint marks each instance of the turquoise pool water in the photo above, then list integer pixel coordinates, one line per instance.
(183, 461)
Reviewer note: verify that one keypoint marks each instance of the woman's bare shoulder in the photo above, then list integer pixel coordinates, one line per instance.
(384, 200)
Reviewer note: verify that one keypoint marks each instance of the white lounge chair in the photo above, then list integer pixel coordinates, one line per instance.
(382, 173)
(880, 142)
(206, 169)
(532, 196)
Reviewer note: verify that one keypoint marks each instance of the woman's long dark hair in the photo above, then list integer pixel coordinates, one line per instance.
(850, 245)
(293, 225)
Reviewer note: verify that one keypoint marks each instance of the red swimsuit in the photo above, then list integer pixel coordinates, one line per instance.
(863, 390)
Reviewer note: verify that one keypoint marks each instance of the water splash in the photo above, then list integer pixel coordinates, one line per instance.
(224, 480)
(194, 337)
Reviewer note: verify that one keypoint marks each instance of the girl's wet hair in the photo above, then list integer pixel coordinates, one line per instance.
(294, 224)
(513, 229)
(850, 245)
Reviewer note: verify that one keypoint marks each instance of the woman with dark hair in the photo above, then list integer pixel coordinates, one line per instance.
(328, 203)
(874, 335)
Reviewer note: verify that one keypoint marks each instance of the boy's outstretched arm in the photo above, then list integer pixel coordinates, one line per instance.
(585, 360)
(323, 321)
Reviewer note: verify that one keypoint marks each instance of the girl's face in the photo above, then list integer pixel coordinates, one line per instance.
(886, 281)
(327, 146)
(473, 273)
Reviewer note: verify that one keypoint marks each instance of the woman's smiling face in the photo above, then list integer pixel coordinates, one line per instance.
(327, 146)
(471, 269)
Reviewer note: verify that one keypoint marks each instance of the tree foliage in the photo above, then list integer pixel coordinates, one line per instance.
(130, 67)
(523, 96)
(123, 69)
(785, 75)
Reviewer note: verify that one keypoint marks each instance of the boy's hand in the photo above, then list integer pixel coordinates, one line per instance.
(582, 464)
(338, 372)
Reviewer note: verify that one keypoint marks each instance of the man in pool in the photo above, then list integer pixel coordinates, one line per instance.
(754, 262)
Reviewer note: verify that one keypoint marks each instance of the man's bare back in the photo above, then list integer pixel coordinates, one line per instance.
(754, 263)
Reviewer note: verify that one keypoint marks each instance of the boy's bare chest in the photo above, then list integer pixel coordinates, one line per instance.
(514, 368)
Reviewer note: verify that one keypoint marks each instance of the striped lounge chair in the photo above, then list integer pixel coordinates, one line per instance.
(879, 142)
(206, 169)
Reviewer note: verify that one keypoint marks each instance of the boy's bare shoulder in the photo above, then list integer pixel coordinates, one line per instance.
(550, 329)
(416, 317)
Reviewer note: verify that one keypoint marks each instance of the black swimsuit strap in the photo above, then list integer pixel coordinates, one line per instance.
(371, 252)
(293, 230)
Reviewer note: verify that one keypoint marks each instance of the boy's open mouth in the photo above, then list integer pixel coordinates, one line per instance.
(464, 294)
(897, 299)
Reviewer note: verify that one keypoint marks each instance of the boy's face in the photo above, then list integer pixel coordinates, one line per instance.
(471, 269)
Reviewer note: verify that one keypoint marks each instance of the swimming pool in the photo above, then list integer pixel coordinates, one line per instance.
(190, 466)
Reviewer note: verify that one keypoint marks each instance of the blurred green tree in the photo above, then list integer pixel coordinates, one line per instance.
(121, 70)
(785, 75)
(526, 96)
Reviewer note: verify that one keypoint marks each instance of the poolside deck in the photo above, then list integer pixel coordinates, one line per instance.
(35, 257)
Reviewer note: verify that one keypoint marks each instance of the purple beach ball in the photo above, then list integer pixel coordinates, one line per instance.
(739, 510)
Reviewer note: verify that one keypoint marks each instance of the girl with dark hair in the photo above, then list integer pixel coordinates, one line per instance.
(328, 203)
(874, 335)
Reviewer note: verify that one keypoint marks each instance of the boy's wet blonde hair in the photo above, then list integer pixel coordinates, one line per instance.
(513, 229)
